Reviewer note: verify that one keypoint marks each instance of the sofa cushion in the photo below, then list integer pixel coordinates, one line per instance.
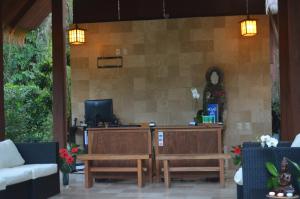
(296, 142)
(39, 170)
(15, 175)
(2, 184)
(11, 156)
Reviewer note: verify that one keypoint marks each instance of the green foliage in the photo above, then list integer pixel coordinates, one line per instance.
(28, 118)
(273, 181)
(28, 87)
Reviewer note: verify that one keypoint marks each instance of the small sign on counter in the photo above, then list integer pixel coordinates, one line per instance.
(160, 138)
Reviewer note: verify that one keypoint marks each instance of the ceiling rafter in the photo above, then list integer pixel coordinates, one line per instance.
(25, 8)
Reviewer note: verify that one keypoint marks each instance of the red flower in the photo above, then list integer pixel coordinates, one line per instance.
(69, 160)
(63, 151)
(74, 150)
(237, 150)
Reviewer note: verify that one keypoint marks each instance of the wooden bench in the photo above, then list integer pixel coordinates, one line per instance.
(167, 169)
(118, 153)
(89, 169)
(189, 152)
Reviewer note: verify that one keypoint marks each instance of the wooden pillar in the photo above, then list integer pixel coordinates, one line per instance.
(59, 72)
(2, 118)
(289, 55)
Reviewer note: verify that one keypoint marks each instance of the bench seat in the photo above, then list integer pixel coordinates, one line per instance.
(215, 156)
(90, 170)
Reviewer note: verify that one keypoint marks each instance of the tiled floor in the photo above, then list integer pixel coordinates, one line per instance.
(129, 190)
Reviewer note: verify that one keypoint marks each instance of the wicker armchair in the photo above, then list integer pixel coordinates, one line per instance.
(255, 175)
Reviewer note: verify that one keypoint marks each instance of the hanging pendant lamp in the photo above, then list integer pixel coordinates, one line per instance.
(248, 25)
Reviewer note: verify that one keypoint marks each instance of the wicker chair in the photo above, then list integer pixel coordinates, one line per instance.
(255, 175)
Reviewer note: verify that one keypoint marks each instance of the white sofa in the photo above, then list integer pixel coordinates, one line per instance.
(33, 175)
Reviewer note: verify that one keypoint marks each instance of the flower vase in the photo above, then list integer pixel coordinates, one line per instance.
(65, 179)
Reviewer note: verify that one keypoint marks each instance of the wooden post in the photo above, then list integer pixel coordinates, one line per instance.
(289, 55)
(140, 173)
(2, 117)
(59, 72)
(167, 174)
(88, 175)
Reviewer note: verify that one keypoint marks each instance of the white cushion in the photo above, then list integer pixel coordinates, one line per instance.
(238, 177)
(2, 184)
(10, 156)
(15, 175)
(296, 142)
(39, 170)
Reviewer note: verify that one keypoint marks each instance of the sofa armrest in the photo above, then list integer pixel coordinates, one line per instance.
(39, 153)
(257, 144)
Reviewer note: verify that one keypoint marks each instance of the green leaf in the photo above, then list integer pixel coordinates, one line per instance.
(295, 165)
(270, 183)
(272, 169)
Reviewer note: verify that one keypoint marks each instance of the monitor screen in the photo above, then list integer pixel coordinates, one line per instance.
(98, 111)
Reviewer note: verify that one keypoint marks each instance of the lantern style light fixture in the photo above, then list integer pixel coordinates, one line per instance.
(248, 25)
(76, 35)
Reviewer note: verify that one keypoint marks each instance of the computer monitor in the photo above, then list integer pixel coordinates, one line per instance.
(98, 111)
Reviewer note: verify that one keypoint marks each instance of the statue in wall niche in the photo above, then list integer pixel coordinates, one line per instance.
(214, 92)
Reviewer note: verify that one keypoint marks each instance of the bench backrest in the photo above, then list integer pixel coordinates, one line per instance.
(129, 141)
(189, 140)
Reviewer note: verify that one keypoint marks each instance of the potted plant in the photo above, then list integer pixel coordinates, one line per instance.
(67, 160)
(236, 155)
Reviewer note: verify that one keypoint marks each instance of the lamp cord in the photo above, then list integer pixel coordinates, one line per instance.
(247, 6)
(119, 10)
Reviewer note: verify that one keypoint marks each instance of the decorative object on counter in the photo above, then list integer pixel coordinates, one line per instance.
(268, 141)
(67, 161)
(208, 119)
(214, 92)
(281, 183)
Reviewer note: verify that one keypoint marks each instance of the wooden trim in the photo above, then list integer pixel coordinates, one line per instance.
(59, 72)
(156, 148)
(215, 156)
(2, 117)
(111, 157)
(192, 169)
(150, 147)
(114, 169)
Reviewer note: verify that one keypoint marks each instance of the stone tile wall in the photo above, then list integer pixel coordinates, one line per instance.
(164, 59)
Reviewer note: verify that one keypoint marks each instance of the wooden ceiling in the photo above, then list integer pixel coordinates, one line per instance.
(24, 15)
(89, 11)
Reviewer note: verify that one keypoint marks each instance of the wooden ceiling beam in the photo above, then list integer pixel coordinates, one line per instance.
(25, 8)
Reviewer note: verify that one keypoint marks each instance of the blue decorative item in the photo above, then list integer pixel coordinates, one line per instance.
(213, 110)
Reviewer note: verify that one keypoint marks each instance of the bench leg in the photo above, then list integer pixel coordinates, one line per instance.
(222, 175)
(167, 173)
(88, 175)
(157, 167)
(140, 173)
(150, 167)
